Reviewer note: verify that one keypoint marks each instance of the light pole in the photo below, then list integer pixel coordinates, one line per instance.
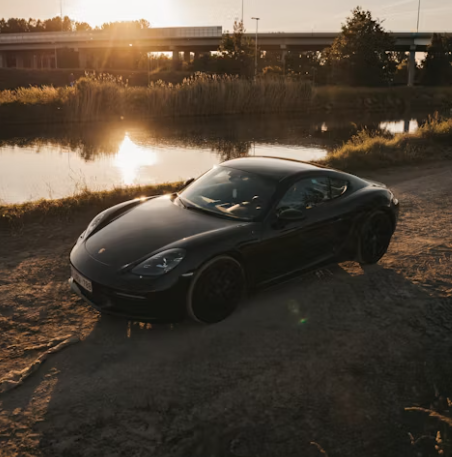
(257, 19)
(243, 1)
(418, 15)
(61, 15)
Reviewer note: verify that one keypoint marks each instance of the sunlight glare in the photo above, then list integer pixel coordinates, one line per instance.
(131, 158)
(97, 12)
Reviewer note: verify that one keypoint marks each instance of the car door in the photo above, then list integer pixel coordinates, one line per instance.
(291, 245)
(340, 213)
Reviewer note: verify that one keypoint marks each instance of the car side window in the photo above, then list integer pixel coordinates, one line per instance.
(338, 187)
(305, 194)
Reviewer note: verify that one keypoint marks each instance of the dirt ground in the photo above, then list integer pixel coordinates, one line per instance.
(326, 363)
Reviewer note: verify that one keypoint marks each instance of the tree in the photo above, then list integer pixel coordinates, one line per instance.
(436, 67)
(57, 25)
(82, 27)
(14, 25)
(360, 55)
(237, 51)
(126, 26)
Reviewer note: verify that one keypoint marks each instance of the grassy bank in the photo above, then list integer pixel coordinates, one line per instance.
(373, 100)
(369, 151)
(16, 215)
(105, 97)
(12, 78)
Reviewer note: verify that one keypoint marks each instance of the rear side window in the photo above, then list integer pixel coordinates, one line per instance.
(338, 187)
(306, 194)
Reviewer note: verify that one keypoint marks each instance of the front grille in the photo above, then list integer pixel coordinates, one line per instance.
(168, 304)
(106, 299)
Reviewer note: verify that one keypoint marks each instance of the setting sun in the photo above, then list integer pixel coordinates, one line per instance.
(97, 12)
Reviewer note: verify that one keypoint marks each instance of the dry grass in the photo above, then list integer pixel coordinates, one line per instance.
(105, 97)
(368, 99)
(16, 215)
(36, 95)
(367, 151)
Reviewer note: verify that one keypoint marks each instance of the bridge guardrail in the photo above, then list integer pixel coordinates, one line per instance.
(164, 33)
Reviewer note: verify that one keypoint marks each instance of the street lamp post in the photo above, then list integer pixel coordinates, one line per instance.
(257, 19)
(56, 52)
(418, 16)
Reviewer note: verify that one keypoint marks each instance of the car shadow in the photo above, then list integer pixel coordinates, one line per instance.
(331, 357)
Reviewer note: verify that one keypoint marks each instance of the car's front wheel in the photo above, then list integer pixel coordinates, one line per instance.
(374, 238)
(216, 290)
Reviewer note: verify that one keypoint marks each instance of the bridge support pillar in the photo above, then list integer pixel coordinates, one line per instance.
(283, 57)
(34, 62)
(19, 61)
(82, 59)
(411, 66)
(2, 60)
(176, 55)
(187, 56)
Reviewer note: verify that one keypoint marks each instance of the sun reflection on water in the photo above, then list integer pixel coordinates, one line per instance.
(131, 158)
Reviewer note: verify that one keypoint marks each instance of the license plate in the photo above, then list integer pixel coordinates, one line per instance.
(81, 280)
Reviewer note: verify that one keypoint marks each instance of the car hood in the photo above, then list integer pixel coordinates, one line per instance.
(147, 228)
(375, 183)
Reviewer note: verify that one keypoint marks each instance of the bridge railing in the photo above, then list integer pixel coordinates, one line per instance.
(163, 33)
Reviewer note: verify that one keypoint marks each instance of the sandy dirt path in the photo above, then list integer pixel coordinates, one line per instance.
(332, 358)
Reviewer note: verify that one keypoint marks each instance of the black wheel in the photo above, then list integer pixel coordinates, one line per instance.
(374, 238)
(216, 290)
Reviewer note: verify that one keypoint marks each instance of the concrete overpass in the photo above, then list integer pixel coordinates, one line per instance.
(41, 50)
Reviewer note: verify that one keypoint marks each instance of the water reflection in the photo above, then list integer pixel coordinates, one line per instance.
(55, 161)
(130, 158)
(405, 126)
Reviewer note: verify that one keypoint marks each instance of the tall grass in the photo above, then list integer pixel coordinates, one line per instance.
(106, 97)
(96, 97)
(199, 95)
(368, 151)
(36, 95)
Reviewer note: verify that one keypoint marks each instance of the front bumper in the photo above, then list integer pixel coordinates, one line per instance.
(167, 305)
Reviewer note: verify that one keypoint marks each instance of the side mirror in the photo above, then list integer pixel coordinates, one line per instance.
(188, 182)
(290, 215)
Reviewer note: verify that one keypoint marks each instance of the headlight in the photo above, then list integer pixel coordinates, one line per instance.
(161, 263)
(94, 223)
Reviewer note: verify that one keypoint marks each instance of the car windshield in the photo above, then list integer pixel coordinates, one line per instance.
(230, 193)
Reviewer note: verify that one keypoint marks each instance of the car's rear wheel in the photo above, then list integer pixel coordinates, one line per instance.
(374, 238)
(216, 290)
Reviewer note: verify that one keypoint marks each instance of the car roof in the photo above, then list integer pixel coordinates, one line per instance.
(277, 168)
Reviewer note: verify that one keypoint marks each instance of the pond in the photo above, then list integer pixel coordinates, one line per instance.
(57, 161)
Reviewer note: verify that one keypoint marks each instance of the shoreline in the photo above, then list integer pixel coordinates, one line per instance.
(364, 152)
(74, 106)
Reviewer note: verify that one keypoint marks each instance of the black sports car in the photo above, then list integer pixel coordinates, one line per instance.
(244, 224)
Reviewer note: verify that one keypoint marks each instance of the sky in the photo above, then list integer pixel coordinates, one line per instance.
(276, 15)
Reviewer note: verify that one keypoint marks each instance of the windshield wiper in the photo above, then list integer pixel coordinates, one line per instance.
(191, 206)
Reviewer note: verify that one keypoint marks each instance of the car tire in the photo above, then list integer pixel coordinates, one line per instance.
(216, 290)
(374, 238)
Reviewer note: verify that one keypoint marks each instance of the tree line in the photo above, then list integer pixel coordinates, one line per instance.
(58, 24)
